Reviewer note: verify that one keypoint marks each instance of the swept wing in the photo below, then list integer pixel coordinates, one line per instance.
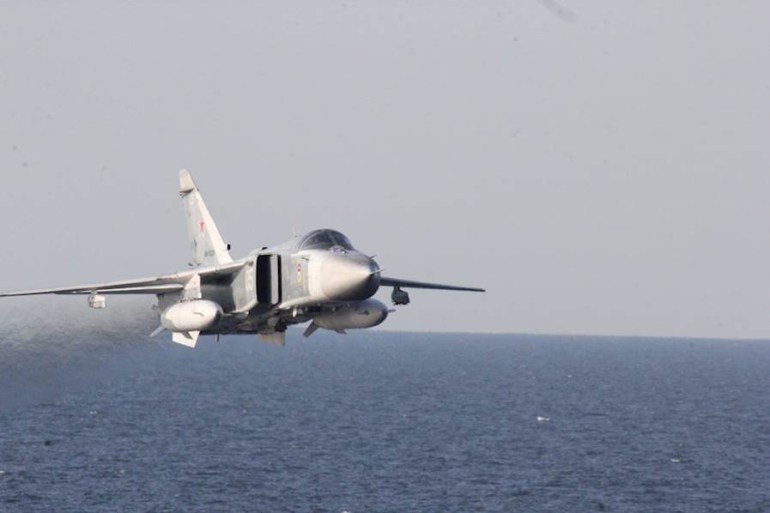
(157, 285)
(398, 282)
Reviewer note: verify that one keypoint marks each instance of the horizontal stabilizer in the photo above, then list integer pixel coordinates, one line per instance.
(186, 338)
(310, 329)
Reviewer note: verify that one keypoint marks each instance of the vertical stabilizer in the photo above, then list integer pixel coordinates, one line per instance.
(206, 243)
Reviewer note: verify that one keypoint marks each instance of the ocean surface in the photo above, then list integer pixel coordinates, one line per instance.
(109, 421)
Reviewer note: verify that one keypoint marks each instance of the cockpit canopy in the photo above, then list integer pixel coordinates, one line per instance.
(325, 239)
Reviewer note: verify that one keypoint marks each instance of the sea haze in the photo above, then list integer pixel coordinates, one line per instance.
(102, 421)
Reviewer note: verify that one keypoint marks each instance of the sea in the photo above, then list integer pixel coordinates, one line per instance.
(108, 420)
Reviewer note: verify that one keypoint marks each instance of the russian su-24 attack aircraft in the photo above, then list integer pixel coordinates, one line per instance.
(319, 277)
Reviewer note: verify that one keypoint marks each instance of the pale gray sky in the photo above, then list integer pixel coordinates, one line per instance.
(599, 167)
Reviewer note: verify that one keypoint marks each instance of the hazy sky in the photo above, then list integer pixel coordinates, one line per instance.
(599, 167)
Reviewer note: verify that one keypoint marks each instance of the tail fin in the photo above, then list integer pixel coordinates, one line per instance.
(207, 245)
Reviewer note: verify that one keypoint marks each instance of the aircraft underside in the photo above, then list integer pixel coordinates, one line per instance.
(259, 321)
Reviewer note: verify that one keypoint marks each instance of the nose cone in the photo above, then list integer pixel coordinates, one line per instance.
(349, 277)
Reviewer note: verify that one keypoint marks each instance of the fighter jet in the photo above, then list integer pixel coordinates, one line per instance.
(317, 277)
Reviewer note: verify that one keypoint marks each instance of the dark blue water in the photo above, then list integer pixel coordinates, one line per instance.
(383, 422)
